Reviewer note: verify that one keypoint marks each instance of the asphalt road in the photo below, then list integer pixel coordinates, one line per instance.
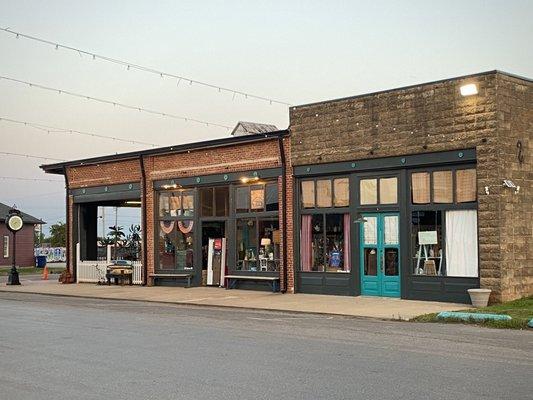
(67, 348)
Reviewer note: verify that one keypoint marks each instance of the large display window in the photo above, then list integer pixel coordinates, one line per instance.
(258, 236)
(325, 225)
(444, 222)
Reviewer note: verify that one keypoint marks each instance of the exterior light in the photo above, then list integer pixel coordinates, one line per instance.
(134, 202)
(244, 179)
(469, 90)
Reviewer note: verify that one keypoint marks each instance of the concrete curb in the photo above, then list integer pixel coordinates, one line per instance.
(184, 303)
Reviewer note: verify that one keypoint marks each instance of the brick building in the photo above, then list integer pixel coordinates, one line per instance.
(25, 240)
(411, 193)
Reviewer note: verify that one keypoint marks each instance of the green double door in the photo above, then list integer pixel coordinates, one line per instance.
(380, 254)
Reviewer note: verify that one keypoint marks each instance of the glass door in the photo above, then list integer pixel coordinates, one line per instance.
(380, 255)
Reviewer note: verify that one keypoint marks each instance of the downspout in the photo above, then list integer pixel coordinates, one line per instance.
(68, 240)
(144, 219)
(284, 214)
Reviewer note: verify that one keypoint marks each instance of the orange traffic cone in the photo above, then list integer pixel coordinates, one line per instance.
(45, 273)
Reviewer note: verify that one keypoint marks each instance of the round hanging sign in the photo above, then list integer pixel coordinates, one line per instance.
(14, 222)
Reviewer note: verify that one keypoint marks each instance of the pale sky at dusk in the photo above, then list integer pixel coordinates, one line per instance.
(296, 51)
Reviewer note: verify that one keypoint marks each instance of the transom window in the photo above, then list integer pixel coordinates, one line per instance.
(214, 201)
(176, 204)
(256, 198)
(444, 187)
(325, 193)
(378, 191)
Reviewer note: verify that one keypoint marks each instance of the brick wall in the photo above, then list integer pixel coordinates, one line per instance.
(104, 174)
(25, 242)
(435, 117)
(240, 157)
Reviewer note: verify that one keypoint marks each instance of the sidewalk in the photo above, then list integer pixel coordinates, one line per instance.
(361, 306)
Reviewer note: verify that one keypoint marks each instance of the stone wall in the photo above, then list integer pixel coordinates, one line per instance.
(515, 123)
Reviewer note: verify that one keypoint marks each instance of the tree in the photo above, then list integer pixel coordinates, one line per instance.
(58, 235)
(117, 234)
(133, 241)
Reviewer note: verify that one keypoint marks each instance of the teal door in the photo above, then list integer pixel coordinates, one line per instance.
(380, 254)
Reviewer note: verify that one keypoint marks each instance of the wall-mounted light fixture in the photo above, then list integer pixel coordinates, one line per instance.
(174, 186)
(245, 179)
(510, 184)
(133, 202)
(469, 89)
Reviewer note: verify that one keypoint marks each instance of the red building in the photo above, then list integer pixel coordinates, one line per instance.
(25, 239)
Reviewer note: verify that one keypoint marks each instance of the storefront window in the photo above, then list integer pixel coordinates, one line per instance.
(445, 243)
(420, 182)
(214, 202)
(176, 204)
(341, 192)
(443, 187)
(242, 199)
(258, 244)
(427, 239)
(325, 242)
(308, 194)
(368, 191)
(271, 197)
(325, 193)
(176, 245)
(247, 259)
(438, 187)
(387, 188)
(256, 198)
(465, 185)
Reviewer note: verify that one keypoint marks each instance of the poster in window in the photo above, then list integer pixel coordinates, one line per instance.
(257, 199)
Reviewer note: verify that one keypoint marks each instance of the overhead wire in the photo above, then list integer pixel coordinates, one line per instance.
(51, 129)
(138, 67)
(115, 103)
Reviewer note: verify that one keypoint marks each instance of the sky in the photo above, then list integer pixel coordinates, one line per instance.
(295, 51)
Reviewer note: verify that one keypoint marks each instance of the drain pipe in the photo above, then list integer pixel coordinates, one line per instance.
(68, 240)
(284, 214)
(143, 217)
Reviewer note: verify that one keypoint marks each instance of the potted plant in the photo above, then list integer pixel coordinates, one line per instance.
(479, 297)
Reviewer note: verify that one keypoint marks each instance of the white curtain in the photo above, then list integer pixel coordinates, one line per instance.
(461, 243)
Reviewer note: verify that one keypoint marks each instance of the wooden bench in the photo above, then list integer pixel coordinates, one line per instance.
(233, 279)
(174, 276)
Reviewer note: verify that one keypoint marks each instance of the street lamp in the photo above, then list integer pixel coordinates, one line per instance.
(14, 223)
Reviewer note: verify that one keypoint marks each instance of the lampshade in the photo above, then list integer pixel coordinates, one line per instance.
(265, 242)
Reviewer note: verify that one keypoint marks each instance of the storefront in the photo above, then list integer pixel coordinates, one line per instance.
(235, 216)
(394, 227)
(417, 192)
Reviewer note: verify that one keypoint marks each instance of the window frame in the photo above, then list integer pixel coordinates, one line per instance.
(322, 178)
(250, 213)
(438, 207)
(5, 246)
(257, 218)
(323, 211)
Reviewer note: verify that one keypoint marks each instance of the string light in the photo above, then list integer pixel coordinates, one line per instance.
(16, 178)
(30, 156)
(129, 65)
(51, 129)
(114, 103)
